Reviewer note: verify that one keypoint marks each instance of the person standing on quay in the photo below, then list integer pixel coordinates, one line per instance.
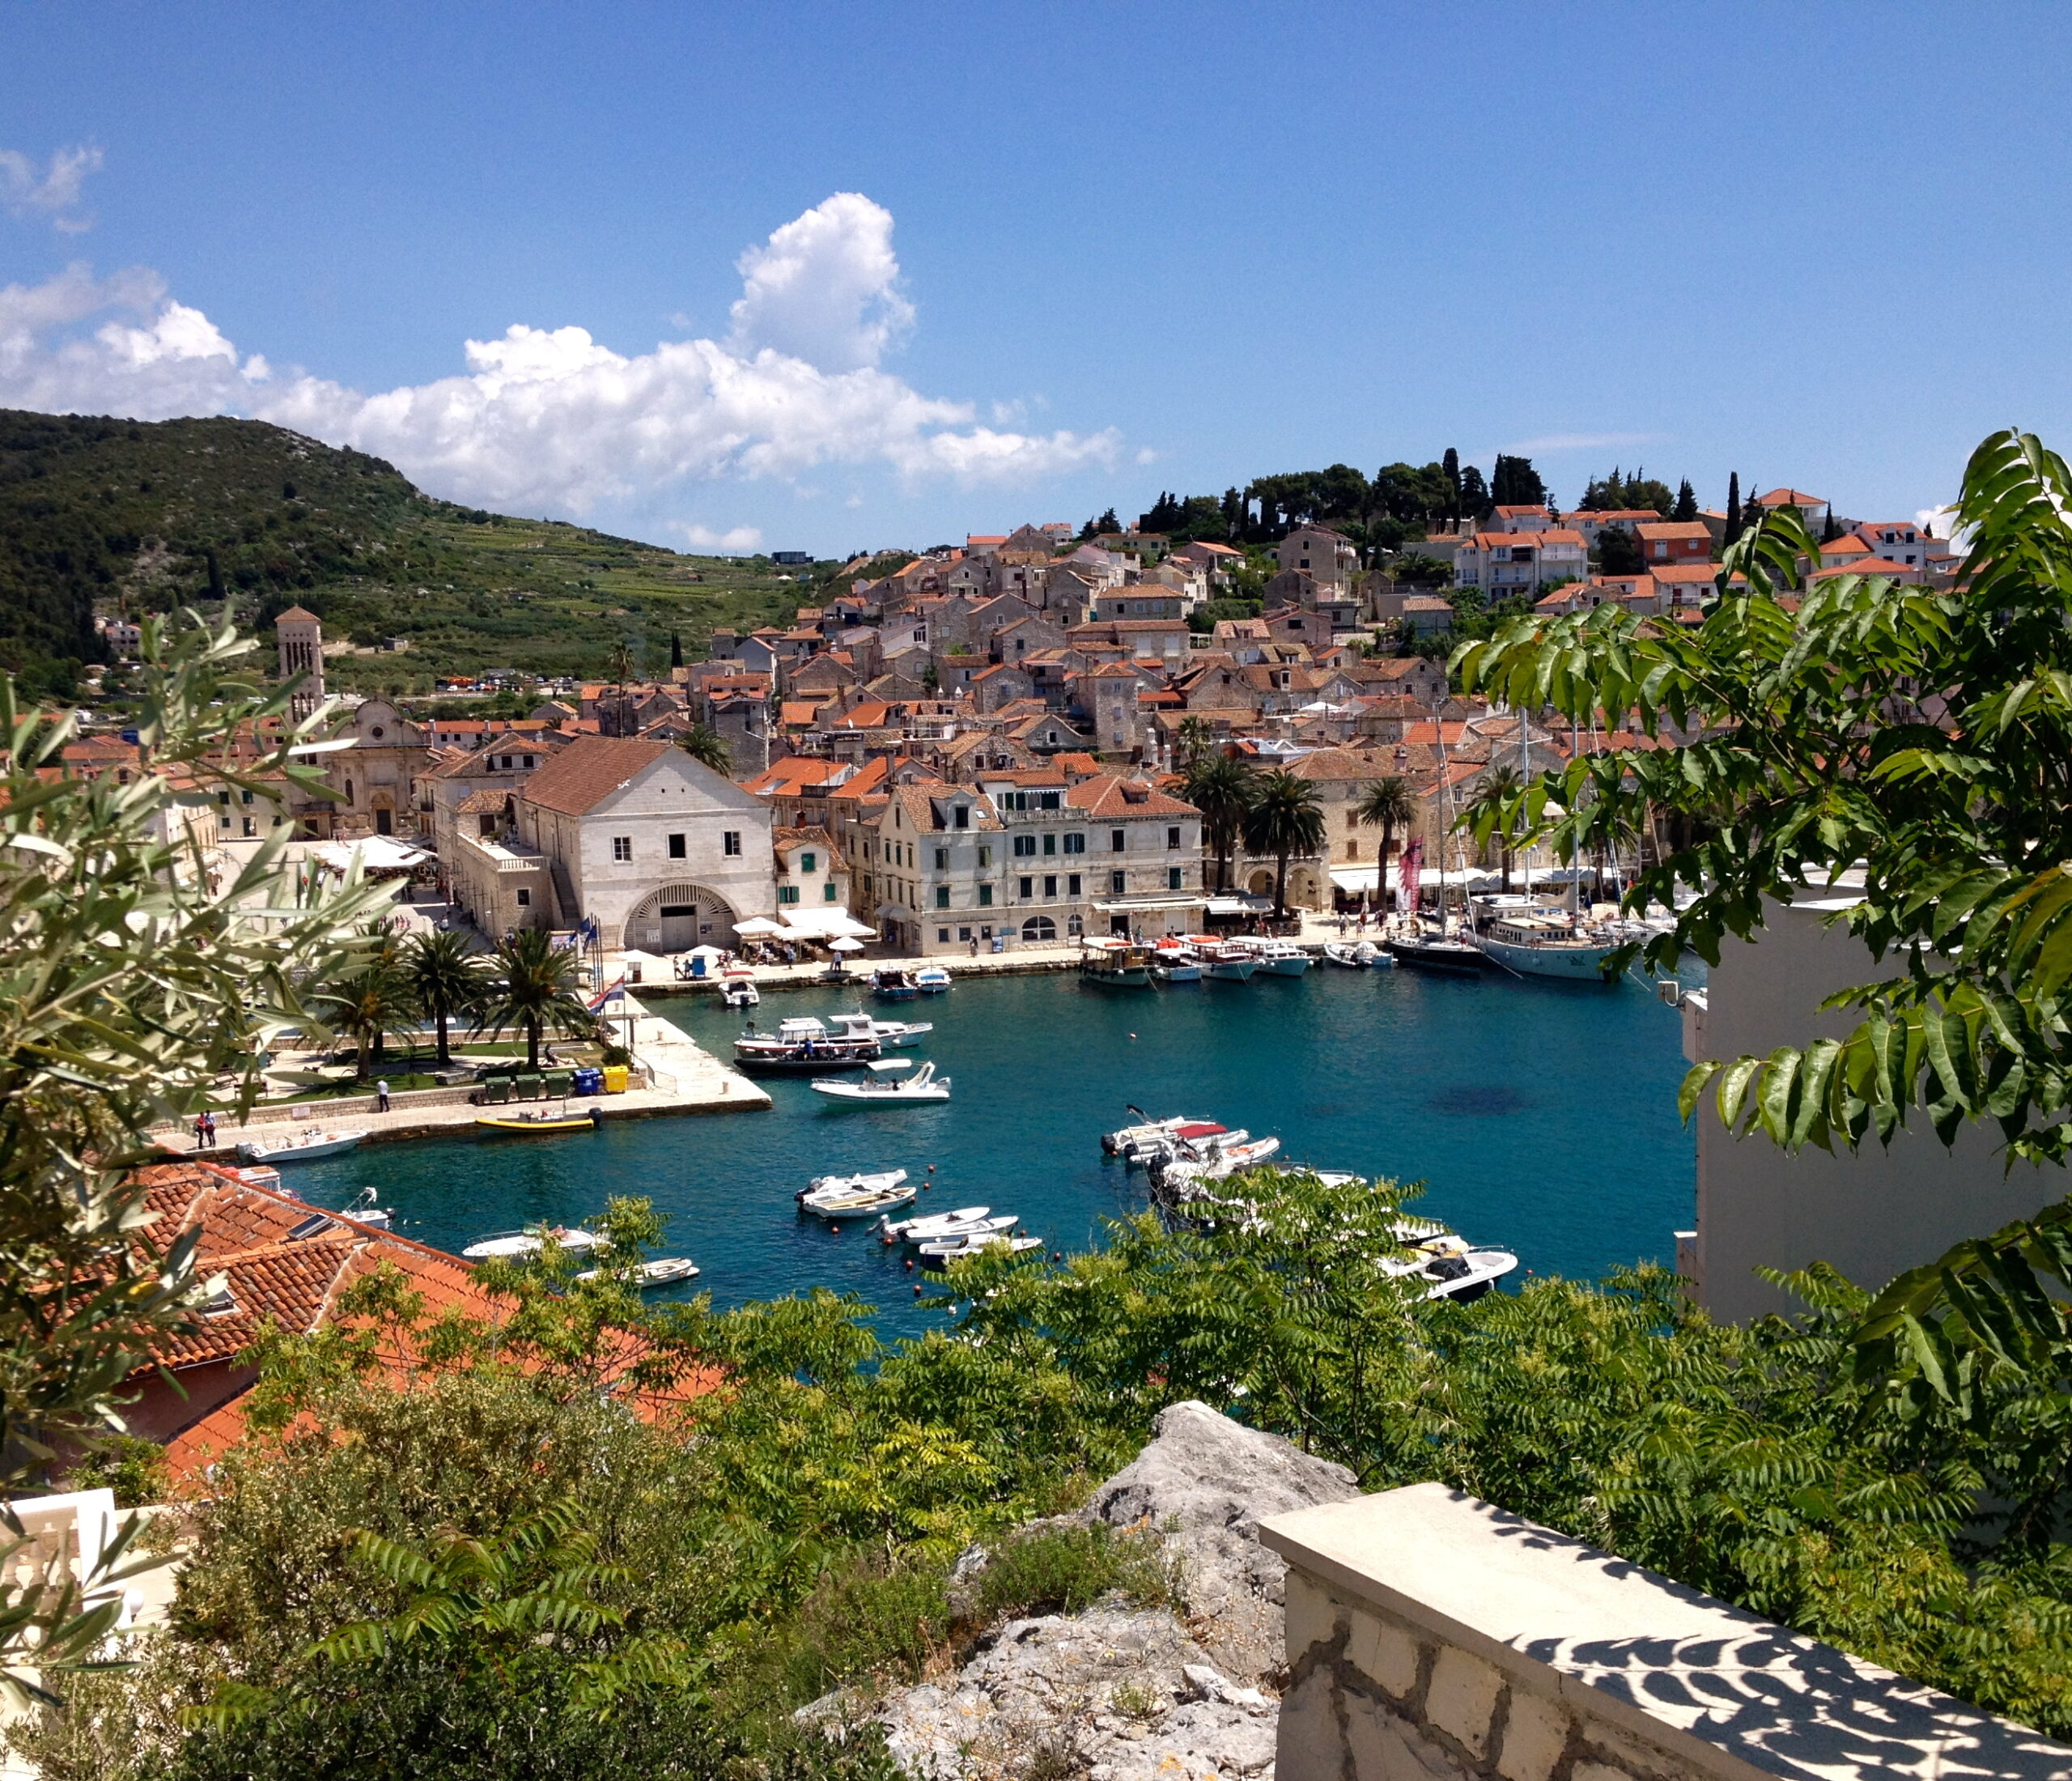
(381, 1097)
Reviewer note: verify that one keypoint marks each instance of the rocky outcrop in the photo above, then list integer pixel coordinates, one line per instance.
(1123, 1694)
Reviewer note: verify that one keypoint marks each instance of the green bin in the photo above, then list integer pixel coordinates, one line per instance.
(496, 1090)
(559, 1082)
(528, 1088)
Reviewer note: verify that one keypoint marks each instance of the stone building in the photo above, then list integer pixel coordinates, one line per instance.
(299, 635)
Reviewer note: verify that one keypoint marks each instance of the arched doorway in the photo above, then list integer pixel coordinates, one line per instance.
(1260, 884)
(679, 916)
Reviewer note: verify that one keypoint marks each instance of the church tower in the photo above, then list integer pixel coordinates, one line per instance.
(301, 636)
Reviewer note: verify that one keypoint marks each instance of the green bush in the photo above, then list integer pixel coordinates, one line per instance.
(134, 1470)
(1061, 1571)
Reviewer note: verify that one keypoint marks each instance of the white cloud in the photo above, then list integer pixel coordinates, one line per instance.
(551, 419)
(1578, 442)
(824, 288)
(52, 192)
(735, 540)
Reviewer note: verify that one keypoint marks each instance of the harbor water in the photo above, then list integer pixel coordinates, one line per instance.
(1541, 1118)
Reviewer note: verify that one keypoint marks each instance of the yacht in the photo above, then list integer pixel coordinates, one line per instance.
(1221, 960)
(1546, 943)
(803, 1043)
(884, 1088)
(1456, 1270)
(1276, 958)
(1437, 952)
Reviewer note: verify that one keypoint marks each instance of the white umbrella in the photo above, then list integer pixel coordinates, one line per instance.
(758, 928)
(845, 944)
(848, 925)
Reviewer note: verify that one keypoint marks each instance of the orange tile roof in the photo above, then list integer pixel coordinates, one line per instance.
(589, 771)
(1111, 796)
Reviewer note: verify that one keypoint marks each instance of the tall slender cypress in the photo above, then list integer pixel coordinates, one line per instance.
(1733, 505)
(1450, 464)
(676, 650)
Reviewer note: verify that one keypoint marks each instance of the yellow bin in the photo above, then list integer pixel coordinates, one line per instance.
(615, 1076)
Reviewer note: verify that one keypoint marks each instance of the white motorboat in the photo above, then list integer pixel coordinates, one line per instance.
(1173, 963)
(885, 1087)
(1276, 958)
(738, 991)
(509, 1244)
(1217, 1162)
(804, 1043)
(842, 1200)
(307, 1145)
(966, 1221)
(1455, 1269)
(1190, 1141)
(1221, 961)
(892, 1035)
(863, 1183)
(949, 1249)
(1359, 957)
(663, 1271)
(364, 1211)
(1120, 1143)
(932, 980)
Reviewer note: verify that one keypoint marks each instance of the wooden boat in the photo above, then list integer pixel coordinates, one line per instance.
(1220, 960)
(663, 1271)
(307, 1145)
(883, 1088)
(890, 985)
(845, 1196)
(1121, 963)
(1547, 945)
(540, 1123)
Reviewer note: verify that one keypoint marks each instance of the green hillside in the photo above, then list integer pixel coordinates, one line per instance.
(110, 516)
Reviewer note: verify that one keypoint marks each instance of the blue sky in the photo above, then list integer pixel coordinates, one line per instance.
(1093, 251)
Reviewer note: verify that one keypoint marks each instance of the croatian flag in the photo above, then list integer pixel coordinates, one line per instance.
(1408, 869)
(613, 993)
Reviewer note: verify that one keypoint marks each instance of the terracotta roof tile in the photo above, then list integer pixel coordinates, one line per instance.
(589, 771)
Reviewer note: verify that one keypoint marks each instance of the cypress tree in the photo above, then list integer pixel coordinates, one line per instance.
(1733, 505)
(1450, 464)
(1687, 502)
(676, 650)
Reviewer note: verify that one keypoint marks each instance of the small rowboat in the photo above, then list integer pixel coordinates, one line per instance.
(956, 1248)
(964, 1222)
(538, 1124)
(663, 1271)
(305, 1146)
(847, 1195)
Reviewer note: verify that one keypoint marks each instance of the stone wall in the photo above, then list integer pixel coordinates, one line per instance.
(1429, 1634)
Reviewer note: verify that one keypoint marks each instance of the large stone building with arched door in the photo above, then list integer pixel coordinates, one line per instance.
(662, 853)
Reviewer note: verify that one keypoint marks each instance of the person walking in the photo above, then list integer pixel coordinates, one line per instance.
(201, 1131)
(208, 1127)
(381, 1097)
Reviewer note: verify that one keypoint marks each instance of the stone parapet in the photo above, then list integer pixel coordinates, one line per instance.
(1431, 1635)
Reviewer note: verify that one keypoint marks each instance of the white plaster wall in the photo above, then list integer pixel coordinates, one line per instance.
(1873, 1214)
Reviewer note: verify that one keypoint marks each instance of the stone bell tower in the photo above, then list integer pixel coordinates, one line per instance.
(300, 635)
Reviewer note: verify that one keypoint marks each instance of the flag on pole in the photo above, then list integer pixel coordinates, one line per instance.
(613, 993)
(1408, 869)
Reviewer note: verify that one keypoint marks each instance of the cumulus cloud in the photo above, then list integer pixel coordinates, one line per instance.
(1578, 442)
(734, 541)
(52, 192)
(551, 417)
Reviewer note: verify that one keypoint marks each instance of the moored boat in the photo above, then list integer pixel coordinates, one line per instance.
(1221, 961)
(949, 1249)
(307, 1145)
(804, 1042)
(1172, 961)
(890, 984)
(931, 980)
(1120, 1143)
(1456, 1269)
(883, 1088)
(1352, 956)
(892, 1035)
(663, 1271)
(1437, 952)
(542, 1123)
(965, 1221)
(1118, 962)
(1275, 957)
(507, 1245)
(737, 988)
(1216, 1160)
(1547, 944)
(847, 1195)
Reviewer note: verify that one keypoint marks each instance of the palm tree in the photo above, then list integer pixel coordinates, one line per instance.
(1492, 788)
(1220, 787)
(707, 746)
(1189, 743)
(1388, 804)
(446, 975)
(374, 998)
(1285, 818)
(532, 986)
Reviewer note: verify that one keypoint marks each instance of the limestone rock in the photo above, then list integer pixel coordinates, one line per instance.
(1207, 1483)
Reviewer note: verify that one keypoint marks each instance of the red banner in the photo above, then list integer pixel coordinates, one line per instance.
(1407, 870)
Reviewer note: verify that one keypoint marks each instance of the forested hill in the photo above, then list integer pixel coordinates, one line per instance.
(118, 515)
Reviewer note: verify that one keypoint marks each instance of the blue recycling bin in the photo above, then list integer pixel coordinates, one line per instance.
(589, 1081)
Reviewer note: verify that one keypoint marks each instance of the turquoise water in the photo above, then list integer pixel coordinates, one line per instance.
(1542, 1119)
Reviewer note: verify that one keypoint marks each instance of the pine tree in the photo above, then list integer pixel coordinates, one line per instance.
(1733, 505)
(1687, 502)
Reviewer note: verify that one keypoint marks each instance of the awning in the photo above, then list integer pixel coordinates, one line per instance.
(758, 928)
(823, 925)
(377, 853)
(1237, 904)
(1148, 906)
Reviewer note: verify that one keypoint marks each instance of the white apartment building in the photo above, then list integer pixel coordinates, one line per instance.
(1503, 563)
